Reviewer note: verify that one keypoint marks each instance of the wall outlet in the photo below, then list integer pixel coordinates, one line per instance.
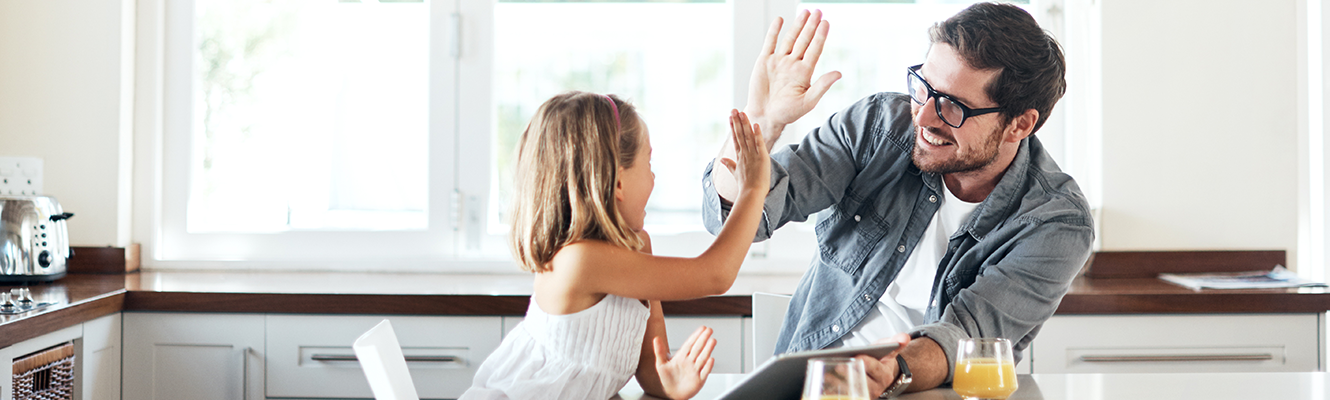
(20, 176)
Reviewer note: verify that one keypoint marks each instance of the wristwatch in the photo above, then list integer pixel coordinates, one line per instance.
(902, 382)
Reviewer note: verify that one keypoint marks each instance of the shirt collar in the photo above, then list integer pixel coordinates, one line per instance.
(996, 206)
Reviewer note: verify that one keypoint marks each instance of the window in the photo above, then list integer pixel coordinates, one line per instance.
(679, 79)
(310, 115)
(377, 135)
(305, 134)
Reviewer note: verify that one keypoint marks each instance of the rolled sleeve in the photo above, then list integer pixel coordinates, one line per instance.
(1012, 297)
(815, 173)
(715, 211)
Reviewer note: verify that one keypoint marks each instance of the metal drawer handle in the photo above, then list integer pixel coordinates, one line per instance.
(1180, 357)
(348, 357)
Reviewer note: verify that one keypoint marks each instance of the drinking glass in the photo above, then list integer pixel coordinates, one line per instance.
(835, 378)
(984, 369)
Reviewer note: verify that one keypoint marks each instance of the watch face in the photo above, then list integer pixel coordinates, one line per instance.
(902, 382)
(896, 388)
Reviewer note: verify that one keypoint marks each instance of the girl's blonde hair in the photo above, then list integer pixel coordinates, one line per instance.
(568, 161)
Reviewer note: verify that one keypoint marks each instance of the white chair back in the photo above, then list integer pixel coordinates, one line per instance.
(768, 315)
(381, 357)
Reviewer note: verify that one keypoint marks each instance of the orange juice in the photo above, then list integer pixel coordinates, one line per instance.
(984, 378)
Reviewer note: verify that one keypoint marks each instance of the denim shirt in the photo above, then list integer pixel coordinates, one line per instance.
(1004, 272)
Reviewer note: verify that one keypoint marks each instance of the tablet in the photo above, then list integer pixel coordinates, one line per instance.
(782, 377)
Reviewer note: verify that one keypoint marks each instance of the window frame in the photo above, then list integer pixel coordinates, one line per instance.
(165, 186)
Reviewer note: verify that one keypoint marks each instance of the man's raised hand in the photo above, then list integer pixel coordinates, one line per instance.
(781, 88)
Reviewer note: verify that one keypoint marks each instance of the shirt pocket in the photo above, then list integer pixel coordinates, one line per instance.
(845, 240)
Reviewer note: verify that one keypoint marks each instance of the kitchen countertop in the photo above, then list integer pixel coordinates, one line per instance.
(507, 294)
(82, 297)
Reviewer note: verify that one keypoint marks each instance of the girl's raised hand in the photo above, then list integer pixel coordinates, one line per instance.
(753, 170)
(683, 376)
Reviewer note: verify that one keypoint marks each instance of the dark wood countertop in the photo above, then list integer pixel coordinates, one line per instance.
(443, 294)
(83, 297)
(1125, 282)
(1154, 296)
(78, 298)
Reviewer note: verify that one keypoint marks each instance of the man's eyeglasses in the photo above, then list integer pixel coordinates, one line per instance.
(950, 110)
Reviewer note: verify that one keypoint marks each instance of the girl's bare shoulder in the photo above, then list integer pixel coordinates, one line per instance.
(578, 269)
(584, 254)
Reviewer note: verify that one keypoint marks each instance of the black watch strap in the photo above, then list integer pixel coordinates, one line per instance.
(902, 382)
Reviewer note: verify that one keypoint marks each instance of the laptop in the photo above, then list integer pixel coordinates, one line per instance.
(381, 358)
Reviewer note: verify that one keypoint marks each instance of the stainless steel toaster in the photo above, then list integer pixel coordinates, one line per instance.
(34, 240)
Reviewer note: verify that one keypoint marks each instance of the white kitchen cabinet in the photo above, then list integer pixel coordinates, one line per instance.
(1025, 366)
(99, 359)
(1178, 343)
(509, 323)
(20, 349)
(728, 332)
(96, 361)
(199, 356)
(747, 327)
(310, 356)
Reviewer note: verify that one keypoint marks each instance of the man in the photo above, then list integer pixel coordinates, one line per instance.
(941, 215)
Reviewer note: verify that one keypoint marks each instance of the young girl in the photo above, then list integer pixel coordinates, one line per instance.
(583, 178)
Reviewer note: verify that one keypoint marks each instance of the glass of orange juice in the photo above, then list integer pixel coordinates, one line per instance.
(835, 378)
(984, 369)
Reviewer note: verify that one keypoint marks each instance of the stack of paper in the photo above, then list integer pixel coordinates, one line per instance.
(1276, 278)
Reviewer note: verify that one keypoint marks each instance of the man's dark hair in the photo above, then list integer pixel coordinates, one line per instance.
(1004, 37)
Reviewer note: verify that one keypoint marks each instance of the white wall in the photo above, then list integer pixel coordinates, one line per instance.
(64, 98)
(1199, 124)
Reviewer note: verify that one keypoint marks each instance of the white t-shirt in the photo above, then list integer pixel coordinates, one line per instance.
(902, 306)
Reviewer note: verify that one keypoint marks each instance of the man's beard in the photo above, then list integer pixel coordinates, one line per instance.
(987, 152)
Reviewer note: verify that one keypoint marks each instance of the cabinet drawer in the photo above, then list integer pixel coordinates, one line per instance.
(311, 356)
(1178, 343)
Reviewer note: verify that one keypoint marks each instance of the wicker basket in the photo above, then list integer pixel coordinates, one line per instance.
(45, 375)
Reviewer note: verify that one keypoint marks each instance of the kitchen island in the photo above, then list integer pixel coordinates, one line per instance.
(1159, 386)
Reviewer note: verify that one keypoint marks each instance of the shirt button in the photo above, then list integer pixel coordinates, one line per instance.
(867, 297)
(856, 218)
(900, 249)
(706, 183)
(835, 328)
(932, 198)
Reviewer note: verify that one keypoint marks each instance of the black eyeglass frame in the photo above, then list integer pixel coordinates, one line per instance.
(966, 111)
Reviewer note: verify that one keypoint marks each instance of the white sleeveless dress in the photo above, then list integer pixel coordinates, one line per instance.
(589, 354)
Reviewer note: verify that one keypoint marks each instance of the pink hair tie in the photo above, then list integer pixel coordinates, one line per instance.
(616, 110)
